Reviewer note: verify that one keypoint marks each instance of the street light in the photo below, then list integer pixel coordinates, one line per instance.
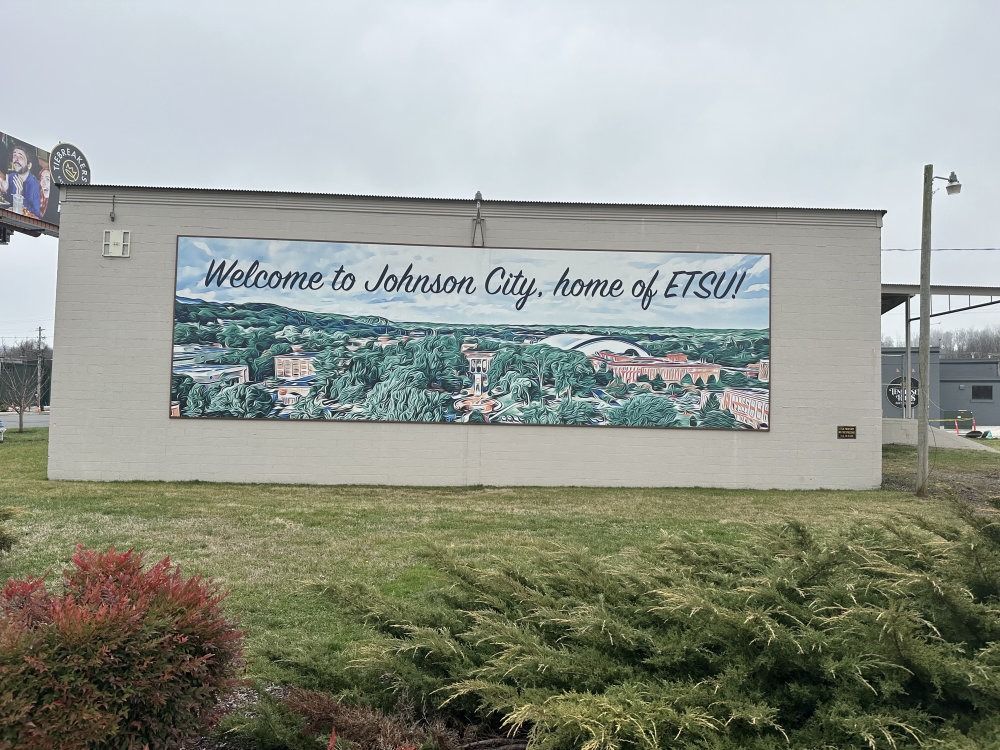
(923, 422)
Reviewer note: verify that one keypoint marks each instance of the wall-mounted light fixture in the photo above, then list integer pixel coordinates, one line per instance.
(479, 223)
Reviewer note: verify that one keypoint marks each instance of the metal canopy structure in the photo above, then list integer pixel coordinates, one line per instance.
(894, 295)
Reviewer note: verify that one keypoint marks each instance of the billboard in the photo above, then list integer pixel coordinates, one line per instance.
(274, 329)
(27, 189)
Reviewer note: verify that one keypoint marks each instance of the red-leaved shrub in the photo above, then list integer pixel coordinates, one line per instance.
(121, 657)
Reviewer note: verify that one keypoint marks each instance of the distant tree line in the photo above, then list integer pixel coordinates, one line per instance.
(964, 343)
(24, 351)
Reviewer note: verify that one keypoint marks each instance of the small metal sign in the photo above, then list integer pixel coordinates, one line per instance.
(847, 432)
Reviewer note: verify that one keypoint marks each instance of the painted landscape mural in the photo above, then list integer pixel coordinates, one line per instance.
(267, 329)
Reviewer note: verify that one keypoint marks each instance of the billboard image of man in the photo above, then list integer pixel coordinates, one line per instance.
(21, 182)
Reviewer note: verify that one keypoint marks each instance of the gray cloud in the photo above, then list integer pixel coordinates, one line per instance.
(767, 103)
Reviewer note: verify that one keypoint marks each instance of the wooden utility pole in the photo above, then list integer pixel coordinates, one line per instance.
(38, 371)
(954, 187)
(923, 465)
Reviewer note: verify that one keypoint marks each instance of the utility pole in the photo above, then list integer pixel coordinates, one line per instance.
(923, 464)
(38, 371)
(954, 187)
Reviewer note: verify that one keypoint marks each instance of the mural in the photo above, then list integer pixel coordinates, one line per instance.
(269, 329)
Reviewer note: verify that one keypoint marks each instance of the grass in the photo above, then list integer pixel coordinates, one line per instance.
(266, 543)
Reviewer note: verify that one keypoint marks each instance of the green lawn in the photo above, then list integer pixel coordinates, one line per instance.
(266, 543)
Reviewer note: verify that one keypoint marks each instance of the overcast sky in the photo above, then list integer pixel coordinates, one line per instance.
(792, 103)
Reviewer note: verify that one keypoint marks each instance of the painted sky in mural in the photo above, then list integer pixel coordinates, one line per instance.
(693, 280)
(328, 330)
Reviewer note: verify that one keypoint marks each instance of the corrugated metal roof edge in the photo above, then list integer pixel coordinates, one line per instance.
(471, 200)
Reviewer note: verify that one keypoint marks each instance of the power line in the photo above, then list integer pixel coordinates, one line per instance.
(942, 250)
(20, 336)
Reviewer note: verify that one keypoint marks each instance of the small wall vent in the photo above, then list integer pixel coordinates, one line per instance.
(117, 243)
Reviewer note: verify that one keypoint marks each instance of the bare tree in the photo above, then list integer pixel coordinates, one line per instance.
(25, 368)
(19, 386)
(969, 343)
(24, 351)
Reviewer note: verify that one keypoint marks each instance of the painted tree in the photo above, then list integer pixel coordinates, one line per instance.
(572, 370)
(307, 408)
(575, 411)
(437, 356)
(735, 379)
(329, 366)
(365, 365)
(690, 401)
(507, 359)
(262, 367)
(244, 400)
(644, 410)
(291, 334)
(603, 376)
(718, 419)
(537, 361)
(187, 333)
(197, 402)
(259, 339)
(180, 387)
(714, 417)
(405, 401)
(352, 393)
(233, 336)
(505, 382)
(538, 413)
(522, 388)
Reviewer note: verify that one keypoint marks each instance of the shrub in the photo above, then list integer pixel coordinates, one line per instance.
(877, 638)
(306, 720)
(6, 537)
(121, 657)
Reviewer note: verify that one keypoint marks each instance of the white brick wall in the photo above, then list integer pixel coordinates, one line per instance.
(114, 322)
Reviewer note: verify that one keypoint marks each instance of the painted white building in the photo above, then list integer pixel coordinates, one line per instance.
(824, 299)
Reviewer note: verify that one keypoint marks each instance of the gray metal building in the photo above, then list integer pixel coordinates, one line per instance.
(971, 385)
(957, 385)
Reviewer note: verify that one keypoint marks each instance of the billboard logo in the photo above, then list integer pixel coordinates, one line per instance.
(69, 165)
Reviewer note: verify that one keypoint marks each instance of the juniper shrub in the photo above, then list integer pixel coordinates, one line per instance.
(877, 637)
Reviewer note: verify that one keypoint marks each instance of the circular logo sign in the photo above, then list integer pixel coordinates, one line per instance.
(69, 166)
(896, 392)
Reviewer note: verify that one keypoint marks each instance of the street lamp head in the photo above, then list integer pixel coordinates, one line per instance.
(954, 187)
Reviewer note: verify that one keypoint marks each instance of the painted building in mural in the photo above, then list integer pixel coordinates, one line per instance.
(314, 338)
